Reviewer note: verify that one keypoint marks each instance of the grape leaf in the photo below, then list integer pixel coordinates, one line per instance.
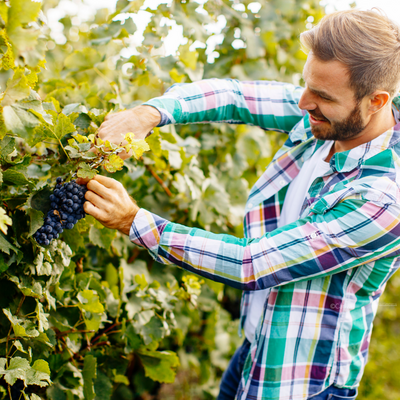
(17, 369)
(83, 59)
(22, 12)
(18, 117)
(36, 220)
(103, 387)
(89, 301)
(86, 172)
(39, 374)
(159, 365)
(6, 246)
(4, 220)
(63, 126)
(114, 163)
(89, 373)
(17, 88)
(15, 177)
(102, 238)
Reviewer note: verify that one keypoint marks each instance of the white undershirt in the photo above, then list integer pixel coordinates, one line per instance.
(313, 168)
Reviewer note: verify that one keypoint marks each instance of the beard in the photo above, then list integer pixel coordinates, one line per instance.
(346, 129)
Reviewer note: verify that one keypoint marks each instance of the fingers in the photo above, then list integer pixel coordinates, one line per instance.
(109, 183)
(96, 187)
(92, 210)
(96, 200)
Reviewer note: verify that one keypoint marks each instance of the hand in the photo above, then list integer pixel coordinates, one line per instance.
(110, 204)
(139, 120)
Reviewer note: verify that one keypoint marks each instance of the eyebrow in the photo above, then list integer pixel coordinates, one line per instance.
(322, 94)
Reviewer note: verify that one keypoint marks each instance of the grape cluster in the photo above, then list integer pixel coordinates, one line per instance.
(66, 209)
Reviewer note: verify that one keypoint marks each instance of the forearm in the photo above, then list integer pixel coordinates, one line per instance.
(354, 234)
(270, 105)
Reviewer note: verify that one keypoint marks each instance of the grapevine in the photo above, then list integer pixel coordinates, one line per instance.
(67, 199)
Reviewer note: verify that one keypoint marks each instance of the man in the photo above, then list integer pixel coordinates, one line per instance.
(322, 223)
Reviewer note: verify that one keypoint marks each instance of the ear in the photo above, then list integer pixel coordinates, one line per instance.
(377, 101)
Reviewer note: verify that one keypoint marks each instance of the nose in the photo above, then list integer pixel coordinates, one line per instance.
(307, 101)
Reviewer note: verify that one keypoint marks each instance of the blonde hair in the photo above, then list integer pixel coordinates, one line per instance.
(367, 42)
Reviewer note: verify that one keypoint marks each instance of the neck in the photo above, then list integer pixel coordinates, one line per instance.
(378, 124)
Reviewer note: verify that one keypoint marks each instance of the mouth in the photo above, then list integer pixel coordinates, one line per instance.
(317, 121)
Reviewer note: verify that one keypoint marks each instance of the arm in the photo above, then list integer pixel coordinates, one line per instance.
(354, 232)
(270, 105)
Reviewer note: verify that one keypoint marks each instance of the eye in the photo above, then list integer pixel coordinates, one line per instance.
(325, 98)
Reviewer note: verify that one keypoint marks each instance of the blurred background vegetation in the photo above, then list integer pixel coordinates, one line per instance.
(198, 175)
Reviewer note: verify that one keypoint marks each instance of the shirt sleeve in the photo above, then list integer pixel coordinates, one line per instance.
(351, 234)
(269, 105)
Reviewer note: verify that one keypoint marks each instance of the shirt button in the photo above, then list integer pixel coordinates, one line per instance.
(282, 182)
(313, 235)
(250, 205)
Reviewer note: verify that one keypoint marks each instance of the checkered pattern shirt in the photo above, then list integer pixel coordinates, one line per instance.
(325, 272)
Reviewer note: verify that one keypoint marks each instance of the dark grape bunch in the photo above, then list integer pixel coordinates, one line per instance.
(66, 209)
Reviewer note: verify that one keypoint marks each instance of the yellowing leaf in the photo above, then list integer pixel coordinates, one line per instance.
(189, 58)
(4, 221)
(176, 76)
(89, 301)
(81, 139)
(114, 163)
(138, 146)
(17, 88)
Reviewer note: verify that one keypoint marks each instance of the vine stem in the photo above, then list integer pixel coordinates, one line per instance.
(159, 180)
(59, 142)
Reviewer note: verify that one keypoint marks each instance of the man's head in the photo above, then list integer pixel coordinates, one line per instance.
(352, 71)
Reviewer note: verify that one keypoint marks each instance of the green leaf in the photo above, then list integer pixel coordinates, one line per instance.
(85, 171)
(102, 238)
(22, 12)
(15, 177)
(39, 374)
(63, 126)
(6, 246)
(133, 338)
(17, 369)
(74, 239)
(159, 365)
(36, 220)
(89, 301)
(89, 373)
(83, 121)
(19, 119)
(83, 59)
(17, 88)
(103, 386)
(121, 379)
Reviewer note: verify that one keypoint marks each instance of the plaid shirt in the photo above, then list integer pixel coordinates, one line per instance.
(325, 272)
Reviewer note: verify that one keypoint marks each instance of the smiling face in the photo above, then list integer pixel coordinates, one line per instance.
(329, 99)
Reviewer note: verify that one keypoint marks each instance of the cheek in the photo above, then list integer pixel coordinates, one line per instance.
(333, 112)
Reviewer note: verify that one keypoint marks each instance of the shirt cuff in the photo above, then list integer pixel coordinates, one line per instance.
(146, 230)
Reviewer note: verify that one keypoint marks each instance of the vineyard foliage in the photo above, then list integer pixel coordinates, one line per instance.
(91, 316)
